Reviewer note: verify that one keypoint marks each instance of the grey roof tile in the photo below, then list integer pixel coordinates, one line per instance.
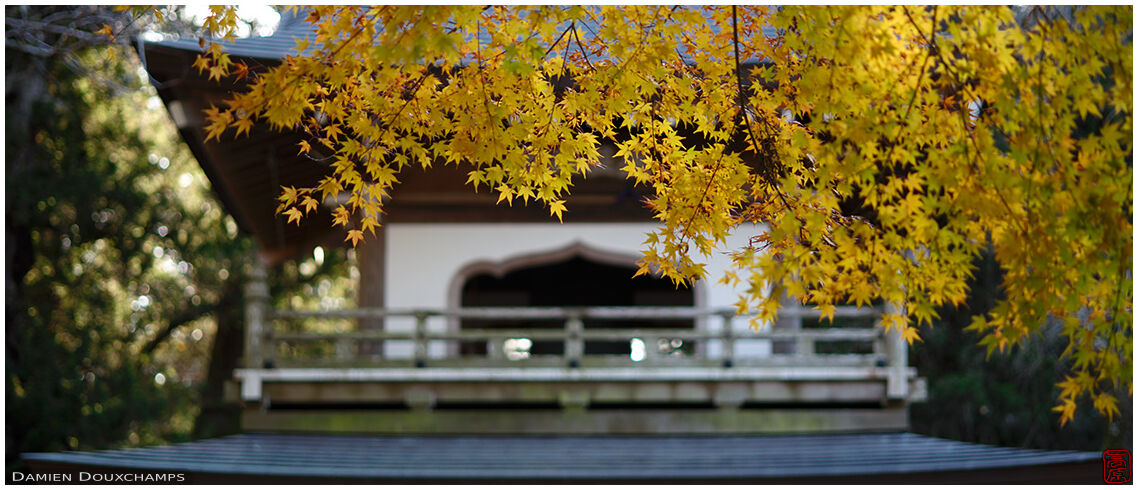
(272, 47)
(552, 457)
(293, 27)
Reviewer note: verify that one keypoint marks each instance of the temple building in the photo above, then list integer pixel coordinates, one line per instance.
(493, 344)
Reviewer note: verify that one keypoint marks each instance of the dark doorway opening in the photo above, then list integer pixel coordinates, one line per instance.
(577, 281)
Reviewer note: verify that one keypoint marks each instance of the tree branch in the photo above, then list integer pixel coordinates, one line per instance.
(581, 48)
(27, 48)
(180, 319)
(743, 104)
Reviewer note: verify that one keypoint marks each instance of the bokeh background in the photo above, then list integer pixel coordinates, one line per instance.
(124, 273)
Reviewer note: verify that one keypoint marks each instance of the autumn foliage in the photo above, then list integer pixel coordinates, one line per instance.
(882, 147)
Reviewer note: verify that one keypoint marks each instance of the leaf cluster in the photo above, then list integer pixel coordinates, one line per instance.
(881, 147)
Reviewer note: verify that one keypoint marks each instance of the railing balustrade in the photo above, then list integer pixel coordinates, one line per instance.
(277, 338)
(568, 351)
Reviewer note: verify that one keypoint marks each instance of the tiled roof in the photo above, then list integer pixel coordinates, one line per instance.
(275, 46)
(293, 27)
(551, 458)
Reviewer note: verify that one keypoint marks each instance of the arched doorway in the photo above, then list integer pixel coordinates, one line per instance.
(576, 279)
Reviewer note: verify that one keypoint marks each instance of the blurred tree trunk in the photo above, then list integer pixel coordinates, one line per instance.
(219, 417)
(22, 89)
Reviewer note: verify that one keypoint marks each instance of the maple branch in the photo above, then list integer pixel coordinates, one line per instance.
(920, 76)
(1038, 120)
(563, 33)
(647, 30)
(968, 128)
(359, 30)
(1115, 310)
(702, 196)
(482, 77)
(594, 19)
(415, 88)
(917, 86)
(830, 92)
(565, 57)
(533, 33)
(564, 68)
(743, 107)
(581, 48)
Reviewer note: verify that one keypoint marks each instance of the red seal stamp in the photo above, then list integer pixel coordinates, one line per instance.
(1116, 466)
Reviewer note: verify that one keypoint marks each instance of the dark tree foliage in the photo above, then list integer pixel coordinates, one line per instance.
(1004, 399)
(81, 235)
(123, 287)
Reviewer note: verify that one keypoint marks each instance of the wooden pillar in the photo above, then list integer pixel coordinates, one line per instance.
(256, 314)
(574, 343)
(370, 263)
(897, 352)
(728, 339)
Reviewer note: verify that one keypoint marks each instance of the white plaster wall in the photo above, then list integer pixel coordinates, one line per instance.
(721, 296)
(422, 260)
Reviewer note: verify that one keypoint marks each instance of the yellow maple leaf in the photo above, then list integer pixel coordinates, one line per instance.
(215, 129)
(369, 224)
(108, 31)
(243, 126)
(1066, 411)
(910, 334)
(201, 63)
(355, 236)
(309, 204)
(288, 195)
(899, 220)
(341, 216)
(556, 208)
(216, 72)
(293, 214)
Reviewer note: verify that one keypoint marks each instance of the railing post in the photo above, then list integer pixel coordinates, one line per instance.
(420, 337)
(256, 316)
(652, 352)
(897, 355)
(728, 340)
(494, 348)
(344, 349)
(804, 346)
(880, 351)
(574, 344)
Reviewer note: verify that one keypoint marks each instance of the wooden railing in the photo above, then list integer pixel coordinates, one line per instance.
(278, 338)
(274, 337)
(604, 354)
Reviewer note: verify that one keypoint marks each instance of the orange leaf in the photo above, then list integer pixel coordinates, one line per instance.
(106, 30)
(355, 236)
(293, 214)
(240, 70)
(289, 194)
(556, 208)
(201, 63)
(341, 216)
(243, 126)
(309, 204)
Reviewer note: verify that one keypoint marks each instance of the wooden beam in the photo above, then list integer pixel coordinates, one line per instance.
(370, 293)
(652, 392)
(608, 422)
